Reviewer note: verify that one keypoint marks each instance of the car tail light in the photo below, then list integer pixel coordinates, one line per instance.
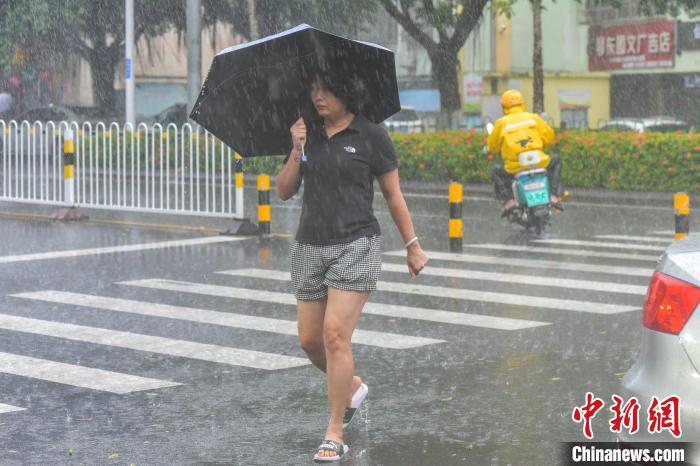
(670, 303)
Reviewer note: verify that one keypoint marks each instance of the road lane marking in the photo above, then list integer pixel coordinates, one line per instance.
(536, 280)
(662, 232)
(599, 244)
(465, 294)
(227, 319)
(647, 239)
(117, 249)
(153, 344)
(9, 408)
(565, 251)
(534, 263)
(78, 376)
(388, 310)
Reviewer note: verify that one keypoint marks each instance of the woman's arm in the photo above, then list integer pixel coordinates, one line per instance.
(389, 183)
(289, 179)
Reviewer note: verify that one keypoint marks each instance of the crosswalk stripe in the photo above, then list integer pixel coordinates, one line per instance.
(115, 249)
(153, 344)
(456, 293)
(662, 232)
(9, 408)
(78, 376)
(647, 239)
(264, 324)
(565, 251)
(599, 244)
(536, 280)
(388, 310)
(534, 263)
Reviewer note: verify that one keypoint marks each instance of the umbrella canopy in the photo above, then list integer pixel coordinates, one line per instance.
(254, 92)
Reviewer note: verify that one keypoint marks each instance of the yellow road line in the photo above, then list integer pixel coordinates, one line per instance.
(158, 226)
(24, 215)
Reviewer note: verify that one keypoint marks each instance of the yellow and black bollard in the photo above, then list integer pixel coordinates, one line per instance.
(264, 204)
(71, 212)
(240, 225)
(681, 207)
(238, 184)
(456, 233)
(69, 167)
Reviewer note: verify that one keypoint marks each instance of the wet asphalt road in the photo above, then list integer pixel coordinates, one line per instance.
(480, 395)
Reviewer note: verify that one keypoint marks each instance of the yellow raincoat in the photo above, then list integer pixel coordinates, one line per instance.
(519, 131)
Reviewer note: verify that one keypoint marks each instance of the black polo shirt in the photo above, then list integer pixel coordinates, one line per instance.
(338, 179)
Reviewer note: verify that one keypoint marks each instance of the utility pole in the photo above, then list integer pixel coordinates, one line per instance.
(194, 50)
(252, 18)
(128, 62)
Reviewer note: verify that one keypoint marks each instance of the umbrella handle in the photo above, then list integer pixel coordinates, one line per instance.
(303, 154)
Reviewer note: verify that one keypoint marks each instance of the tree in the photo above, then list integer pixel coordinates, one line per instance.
(537, 69)
(90, 29)
(453, 21)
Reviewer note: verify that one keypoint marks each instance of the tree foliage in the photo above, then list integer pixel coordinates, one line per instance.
(47, 31)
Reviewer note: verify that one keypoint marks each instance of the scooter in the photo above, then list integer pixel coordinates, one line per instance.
(531, 192)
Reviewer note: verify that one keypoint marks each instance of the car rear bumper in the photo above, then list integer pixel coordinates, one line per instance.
(663, 369)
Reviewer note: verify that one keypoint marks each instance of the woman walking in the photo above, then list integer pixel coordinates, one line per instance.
(335, 258)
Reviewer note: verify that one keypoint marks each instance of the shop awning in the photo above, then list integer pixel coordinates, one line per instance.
(423, 100)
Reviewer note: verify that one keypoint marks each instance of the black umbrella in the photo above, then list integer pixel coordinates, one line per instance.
(255, 91)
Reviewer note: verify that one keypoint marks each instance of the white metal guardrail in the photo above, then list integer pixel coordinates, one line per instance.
(152, 168)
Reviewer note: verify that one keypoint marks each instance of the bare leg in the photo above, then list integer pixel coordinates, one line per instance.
(310, 316)
(342, 312)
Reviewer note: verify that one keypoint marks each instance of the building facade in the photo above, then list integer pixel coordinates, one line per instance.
(654, 62)
(498, 56)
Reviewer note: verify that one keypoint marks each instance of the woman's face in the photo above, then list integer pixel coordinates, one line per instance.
(325, 102)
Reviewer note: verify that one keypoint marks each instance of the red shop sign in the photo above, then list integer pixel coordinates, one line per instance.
(632, 46)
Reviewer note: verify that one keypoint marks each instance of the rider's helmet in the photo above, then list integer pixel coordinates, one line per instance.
(511, 98)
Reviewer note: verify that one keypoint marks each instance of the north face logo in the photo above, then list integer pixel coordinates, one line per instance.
(350, 149)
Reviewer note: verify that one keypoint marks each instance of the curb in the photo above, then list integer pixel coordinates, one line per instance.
(594, 196)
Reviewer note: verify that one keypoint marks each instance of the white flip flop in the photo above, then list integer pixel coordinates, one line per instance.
(331, 445)
(357, 398)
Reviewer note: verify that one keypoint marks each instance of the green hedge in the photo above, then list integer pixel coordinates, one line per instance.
(628, 161)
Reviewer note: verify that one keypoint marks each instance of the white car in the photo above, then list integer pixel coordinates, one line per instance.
(669, 358)
(405, 121)
(642, 125)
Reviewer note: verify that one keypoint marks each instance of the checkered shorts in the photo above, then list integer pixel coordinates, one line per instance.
(351, 266)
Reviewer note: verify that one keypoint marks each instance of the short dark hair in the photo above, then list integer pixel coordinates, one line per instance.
(350, 91)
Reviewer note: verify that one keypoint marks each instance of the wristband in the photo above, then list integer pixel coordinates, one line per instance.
(410, 242)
